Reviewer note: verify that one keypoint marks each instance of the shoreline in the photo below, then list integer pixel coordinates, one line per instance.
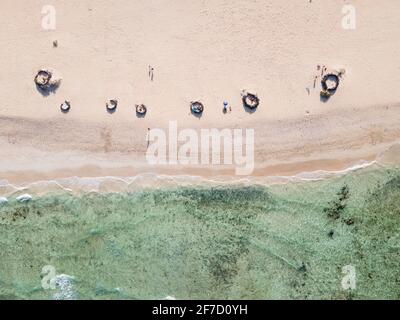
(211, 53)
(67, 181)
(58, 149)
(114, 184)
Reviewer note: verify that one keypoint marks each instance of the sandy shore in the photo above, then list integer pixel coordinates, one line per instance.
(200, 50)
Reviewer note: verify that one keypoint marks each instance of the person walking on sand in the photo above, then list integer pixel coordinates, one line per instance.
(225, 106)
(151, 73)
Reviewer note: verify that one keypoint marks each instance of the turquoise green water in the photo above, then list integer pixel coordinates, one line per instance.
(284, 241)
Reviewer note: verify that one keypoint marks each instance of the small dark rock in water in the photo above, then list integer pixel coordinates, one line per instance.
(302, 268)
(331, 233)
(349, 221)
(344, 193)
(337, 206)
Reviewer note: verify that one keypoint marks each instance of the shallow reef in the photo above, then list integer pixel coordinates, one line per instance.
(241, 242)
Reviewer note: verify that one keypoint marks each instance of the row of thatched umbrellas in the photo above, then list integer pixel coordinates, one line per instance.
(111, 107)
(46, 81)
(249, 101)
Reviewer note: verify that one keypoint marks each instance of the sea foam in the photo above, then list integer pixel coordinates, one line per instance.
(112, 184)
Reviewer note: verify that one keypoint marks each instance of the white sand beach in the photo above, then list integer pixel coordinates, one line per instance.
(200, 50)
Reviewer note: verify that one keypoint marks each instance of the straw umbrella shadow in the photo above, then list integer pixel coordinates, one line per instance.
(45, 92)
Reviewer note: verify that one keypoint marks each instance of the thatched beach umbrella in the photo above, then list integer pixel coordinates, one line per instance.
(65, 106)
(47, 80)
(250, 100)
(141, 109)
(330, 82)
(196, 107)
(42, 78)
(111, 105)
